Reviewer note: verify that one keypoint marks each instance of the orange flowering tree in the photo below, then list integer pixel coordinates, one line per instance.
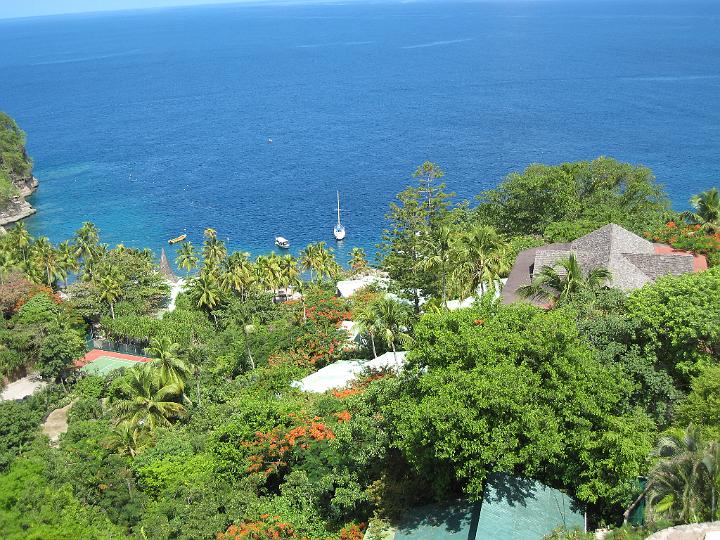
(274, 527)
(271, 452)
(688, 238)
(321, 341)
(359, 385)
(266, 528)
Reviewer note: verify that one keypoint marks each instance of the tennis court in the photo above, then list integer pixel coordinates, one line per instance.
(99, 362)
(105, 364)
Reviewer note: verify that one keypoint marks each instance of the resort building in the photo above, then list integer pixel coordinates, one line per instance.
(632, 260)
(340, 374)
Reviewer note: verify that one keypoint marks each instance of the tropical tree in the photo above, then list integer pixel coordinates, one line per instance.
(289, 273)
(145, 402)
(214, 250)
(413, 217)
(682, 485)
(367, 320)
(358, 259)
(126, 439)
(309, 259)
(44, 259)
(327, 266)
(565, 279)
(20, 238)
(392, 322)
(427, 174)
(169, 368)
(187, 258)
(711, 465)
(479, 258)
(67, 260)
(439, 248)
(109, 290)
(238, 274)
(87, 238)
(205, 292)
(707, 210)
(269, 272)
(7, 263)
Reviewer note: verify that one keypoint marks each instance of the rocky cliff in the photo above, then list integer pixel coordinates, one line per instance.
(16, 178)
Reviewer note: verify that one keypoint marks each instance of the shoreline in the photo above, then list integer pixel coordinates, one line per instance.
(20, 209)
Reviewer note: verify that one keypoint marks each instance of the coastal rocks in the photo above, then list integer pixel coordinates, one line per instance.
(694, 531)
(19, 208)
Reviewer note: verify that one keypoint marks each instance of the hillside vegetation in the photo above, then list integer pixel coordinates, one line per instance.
(209, 439)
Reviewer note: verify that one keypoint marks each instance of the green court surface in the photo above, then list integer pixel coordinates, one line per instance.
(105, 364)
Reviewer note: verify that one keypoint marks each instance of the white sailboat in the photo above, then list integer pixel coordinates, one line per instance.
(339, 230)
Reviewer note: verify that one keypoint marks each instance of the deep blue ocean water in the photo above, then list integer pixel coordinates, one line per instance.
(155, 123)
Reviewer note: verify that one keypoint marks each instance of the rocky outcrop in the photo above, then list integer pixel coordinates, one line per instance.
(19, 208)
(695, 531)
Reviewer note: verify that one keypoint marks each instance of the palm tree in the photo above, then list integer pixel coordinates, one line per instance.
(187, 258)
(170, 369)
(676, 481)
(439, 249)
(205, 292)
(21, 239)
(480, 258)
(707, 210)
(126, 439)
(711, 465)
(87, 238)
(67, 260)
(269, 272)
(214, 250)
(358, 259)
(145, 402)
(309, 259)
(7, 262)
(368, 322)
(289, 273)
(45, 259)
(392, 320)
(559, 286)
(327, 266)
(238, 275)
(109, 290)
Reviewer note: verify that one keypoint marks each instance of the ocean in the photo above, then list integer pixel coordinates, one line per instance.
(156, 123)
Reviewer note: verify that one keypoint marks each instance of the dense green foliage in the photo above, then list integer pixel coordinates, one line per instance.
(210, 440)
(572, 199)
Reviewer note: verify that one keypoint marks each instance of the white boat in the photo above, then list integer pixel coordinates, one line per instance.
(282, 243)
(339, 230)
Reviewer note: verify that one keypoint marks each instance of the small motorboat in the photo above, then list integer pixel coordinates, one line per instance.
(282, 243)
(339, 230)
(177, 239)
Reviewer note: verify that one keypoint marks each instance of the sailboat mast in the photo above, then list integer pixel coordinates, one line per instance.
(338, 206)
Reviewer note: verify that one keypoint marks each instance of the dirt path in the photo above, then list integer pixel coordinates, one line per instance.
(56, 423)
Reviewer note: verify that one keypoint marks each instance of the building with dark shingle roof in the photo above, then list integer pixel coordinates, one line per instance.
(632, 260)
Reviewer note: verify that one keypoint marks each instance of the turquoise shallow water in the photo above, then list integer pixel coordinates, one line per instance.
(154, 123)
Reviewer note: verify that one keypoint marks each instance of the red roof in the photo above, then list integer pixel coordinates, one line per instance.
(699, 263)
